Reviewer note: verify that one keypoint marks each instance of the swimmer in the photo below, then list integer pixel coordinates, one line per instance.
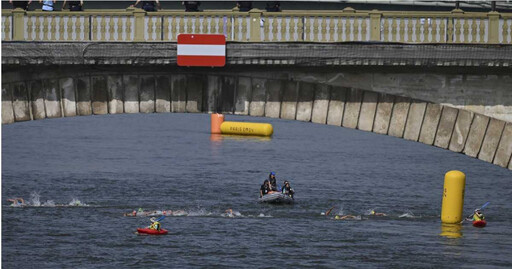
(327, 212)
(343, 217)
(17, 202)
(373, 213)
(131, 214)
(179, 212)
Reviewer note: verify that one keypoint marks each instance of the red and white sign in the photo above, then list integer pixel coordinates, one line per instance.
(201, 50)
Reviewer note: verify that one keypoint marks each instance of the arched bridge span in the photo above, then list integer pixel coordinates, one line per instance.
(51, 95)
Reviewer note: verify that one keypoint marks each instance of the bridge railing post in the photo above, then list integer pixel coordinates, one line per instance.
(375, 25)
(255, 17)
(18, 23)
(493, 36)
(139, 30)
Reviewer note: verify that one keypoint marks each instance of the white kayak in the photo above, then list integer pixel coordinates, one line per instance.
(276, 198)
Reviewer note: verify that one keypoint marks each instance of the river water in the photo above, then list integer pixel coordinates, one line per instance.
(80, 175)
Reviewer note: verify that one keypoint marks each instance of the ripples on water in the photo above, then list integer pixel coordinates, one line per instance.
(88, 171)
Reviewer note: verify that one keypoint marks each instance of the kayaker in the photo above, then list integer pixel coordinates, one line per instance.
(272, 179)
(155, 225)
(478, 215)
(265, 188)
(287, 189)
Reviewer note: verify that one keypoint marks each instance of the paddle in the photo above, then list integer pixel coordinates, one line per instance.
(482, 207)
(160, 218)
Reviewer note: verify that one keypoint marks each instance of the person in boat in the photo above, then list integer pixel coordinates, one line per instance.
(272, 179)
(373, 213)
(265, 188)
(287, 189)
(17, 202)
(155, 225)
(477, 215)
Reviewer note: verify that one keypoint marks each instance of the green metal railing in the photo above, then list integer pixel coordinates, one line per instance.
(345, 25)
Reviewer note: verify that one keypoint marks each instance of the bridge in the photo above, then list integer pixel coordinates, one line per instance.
(438, 78)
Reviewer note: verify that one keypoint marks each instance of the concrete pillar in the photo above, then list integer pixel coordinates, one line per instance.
(290, 98)
(163, 94)
(504, 151)
(52, 98)
(383, 114)
(414, 120)
(20, 101)
(147, 94)
(305, 101)
(399, 116)
(321, 104)
(476, 135)
(227, 94)
(178, 93)
(491, 140)
(83, 94)
(273, 102)
(131, 93)
(258, 97)
(194, 94)
(445, 128)
(212, 94)
(99, 95)
(461, 130)
(336, 106)
(37, 99)
(7, 110)
(430, 123)
(352, 108)
(67, 88)
(115, 89)
(368, 109)
(243, 96)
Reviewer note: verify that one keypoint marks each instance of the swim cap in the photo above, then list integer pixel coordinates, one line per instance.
(272, 173)
(372, 212)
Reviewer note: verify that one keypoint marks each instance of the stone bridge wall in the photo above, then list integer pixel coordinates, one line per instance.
(108, 92)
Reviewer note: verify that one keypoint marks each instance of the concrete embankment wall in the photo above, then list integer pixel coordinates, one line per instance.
(99, 93)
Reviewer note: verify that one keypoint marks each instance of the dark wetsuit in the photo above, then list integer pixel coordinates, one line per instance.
(288, 190)
(273, 184)
(264, 189)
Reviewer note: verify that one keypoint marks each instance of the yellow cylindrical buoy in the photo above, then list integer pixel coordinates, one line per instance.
(453, 197)
(246, 128)
(216, 120)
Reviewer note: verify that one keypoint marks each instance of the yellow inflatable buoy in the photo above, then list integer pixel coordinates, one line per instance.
(453, 197)
(246, 128)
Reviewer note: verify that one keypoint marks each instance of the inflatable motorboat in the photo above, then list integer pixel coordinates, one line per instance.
(276, 198)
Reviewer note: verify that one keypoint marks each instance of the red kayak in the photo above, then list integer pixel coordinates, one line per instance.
(151, 231)
(479, 223)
